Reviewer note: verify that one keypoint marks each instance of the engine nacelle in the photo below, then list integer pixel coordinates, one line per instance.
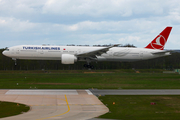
(68, 59)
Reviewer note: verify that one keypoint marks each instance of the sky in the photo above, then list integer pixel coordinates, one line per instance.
(88, 22)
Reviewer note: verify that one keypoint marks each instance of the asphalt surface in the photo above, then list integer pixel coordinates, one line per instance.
(69, 104)
(48, 104)
(99, 92)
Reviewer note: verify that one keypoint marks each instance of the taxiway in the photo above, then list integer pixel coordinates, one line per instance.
(137, 92)
(68, 104)
(55, 104)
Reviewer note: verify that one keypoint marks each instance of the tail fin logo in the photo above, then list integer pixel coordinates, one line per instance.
(159, 42)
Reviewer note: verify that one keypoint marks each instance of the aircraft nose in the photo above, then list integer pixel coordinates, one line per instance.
(4, 53)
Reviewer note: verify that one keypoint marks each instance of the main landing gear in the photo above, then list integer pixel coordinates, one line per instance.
(89, 66)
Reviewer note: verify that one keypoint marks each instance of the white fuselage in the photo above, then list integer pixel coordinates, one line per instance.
(37, 52)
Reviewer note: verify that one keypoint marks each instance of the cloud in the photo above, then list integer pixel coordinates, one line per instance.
(2, 21)
(124, 8)
(86, 32)
(69, 11)
(18, 25)
(87, 21)
(12, 24)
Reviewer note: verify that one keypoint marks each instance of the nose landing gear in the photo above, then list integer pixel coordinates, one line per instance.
(15, 61)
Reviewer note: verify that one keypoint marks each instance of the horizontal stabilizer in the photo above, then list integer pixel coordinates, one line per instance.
(162, 53)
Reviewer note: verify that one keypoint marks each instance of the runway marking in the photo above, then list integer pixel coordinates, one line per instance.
(41, 92)
(89, 92)
(69, 104)
(59, 114)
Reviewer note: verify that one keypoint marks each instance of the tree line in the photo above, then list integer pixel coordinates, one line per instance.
(167, 62)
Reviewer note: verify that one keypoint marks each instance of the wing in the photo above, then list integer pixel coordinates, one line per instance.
(94, 53)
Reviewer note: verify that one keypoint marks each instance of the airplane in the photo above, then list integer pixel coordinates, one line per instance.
(72, 54)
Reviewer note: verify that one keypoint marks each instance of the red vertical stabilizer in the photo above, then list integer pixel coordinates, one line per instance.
(160, 41)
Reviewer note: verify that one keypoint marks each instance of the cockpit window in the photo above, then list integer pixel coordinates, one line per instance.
(7, 49)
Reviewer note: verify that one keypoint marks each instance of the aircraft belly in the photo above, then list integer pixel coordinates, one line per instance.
(40, 58)
(118, 59)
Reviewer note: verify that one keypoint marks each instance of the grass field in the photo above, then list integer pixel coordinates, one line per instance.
(126, 107)
(140, 108)
(114, 79)
(10, 109)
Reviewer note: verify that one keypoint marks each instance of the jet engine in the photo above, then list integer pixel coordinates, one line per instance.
(68, 59)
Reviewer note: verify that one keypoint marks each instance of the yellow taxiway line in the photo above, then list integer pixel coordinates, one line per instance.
(59, 114)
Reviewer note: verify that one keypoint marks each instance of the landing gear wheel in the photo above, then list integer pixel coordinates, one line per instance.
(89, 66)
(85, 65)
